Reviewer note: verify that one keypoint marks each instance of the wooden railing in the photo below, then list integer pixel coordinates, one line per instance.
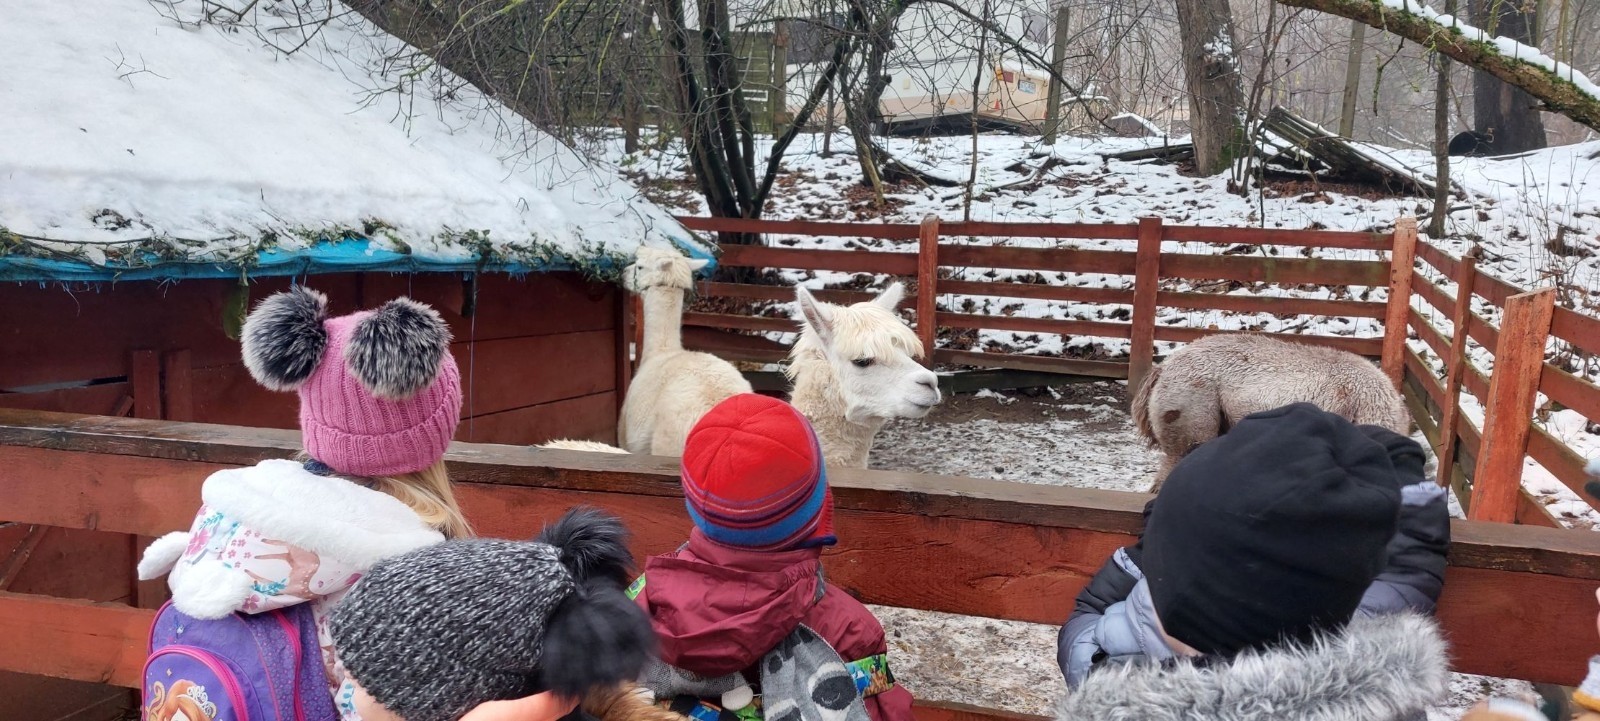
(933, 262)
(1485, 476)
(1485, 466)
(1515, 602)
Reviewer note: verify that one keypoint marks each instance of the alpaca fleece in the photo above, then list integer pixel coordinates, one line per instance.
(283, 339)
(1208, 386)
(672, 387)
(1384, 668)
(397, 350)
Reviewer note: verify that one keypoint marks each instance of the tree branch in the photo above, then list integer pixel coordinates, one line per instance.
(1475, 49)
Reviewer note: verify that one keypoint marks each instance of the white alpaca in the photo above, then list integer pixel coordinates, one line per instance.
(570, 444)
(673, 387)
(854, 367)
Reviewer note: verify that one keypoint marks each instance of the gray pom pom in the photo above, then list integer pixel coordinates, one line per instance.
(283, 339)
(398, 350)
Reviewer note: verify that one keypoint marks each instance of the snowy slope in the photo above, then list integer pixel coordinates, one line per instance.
(130, 126)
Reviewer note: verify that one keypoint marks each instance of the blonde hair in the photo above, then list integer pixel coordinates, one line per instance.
(427, 492)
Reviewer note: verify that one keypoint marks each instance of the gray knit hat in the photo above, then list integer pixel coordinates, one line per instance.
(433, 633)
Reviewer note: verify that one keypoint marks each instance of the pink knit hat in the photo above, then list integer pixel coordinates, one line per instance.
(380, 394)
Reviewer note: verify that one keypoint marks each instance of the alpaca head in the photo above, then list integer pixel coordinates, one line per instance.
(660, 268)
(873, 354)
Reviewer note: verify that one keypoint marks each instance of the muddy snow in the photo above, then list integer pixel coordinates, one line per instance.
(1078, 435)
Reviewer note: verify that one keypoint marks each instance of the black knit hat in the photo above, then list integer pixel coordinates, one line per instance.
(435, 632)
(1271, 532)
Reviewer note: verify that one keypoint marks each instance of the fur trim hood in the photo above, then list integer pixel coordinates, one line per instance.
(1383, 668)
(274, 534)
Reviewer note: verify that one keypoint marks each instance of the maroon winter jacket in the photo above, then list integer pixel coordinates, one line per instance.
(718, 610)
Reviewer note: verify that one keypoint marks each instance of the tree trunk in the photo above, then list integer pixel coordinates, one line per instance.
(1211, 73)
(1552, 89)
(1502, 111)
(1441, 147)
(1058, 60)
(1352, 80)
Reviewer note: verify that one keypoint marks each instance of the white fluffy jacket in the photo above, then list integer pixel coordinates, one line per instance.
(1384, 668)
(274, 535)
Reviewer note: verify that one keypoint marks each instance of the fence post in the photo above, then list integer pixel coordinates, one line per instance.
(927, 280)
(1395, 322)
(1146, 282)
(1518, 364)
(1455, 367)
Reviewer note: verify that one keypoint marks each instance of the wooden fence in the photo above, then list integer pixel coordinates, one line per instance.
(1485, 465)
(1486, 477)
(934, 261)
(1516, 598)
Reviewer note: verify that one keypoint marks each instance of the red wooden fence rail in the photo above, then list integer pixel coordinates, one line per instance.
(1145, 264)
(1494, 468)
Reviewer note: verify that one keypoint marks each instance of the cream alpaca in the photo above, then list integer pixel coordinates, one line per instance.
(1209, 385)
(673, 387)
(854, 367)
(571, 444)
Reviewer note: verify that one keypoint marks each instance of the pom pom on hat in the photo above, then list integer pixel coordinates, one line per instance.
(753, 477)
(380, 394)
(433, 633)
(283, 340)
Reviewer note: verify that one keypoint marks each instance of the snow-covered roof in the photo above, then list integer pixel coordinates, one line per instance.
(143, 140)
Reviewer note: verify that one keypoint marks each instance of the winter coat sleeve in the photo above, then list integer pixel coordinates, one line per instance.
(1414, 573)
(228, 566)
(1076, 646)
(1111, 584)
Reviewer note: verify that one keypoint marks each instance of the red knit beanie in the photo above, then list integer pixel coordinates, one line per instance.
(753, 477)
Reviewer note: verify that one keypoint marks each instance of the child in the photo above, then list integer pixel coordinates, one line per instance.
(1244, 598)
(380, 397)
(744, 599)
(440, 633)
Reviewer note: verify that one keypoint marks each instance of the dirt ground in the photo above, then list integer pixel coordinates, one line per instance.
(1079, 435)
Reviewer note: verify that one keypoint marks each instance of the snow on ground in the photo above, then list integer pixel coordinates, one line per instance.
(1081, 437)
(1536, 216)
(1078, 435)
(134, 125)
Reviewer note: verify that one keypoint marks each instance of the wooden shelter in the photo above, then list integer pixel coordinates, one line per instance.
(150, 210)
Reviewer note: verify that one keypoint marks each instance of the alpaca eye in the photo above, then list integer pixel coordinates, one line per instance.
(861, 362)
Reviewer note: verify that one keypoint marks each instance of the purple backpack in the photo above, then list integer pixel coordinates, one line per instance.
(246, 667)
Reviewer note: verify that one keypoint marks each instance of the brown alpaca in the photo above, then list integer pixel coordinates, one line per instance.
(1209, 385)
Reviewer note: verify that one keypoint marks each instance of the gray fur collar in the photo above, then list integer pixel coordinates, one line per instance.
(1379, 669)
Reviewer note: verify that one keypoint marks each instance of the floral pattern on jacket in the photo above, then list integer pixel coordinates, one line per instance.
(275, 535)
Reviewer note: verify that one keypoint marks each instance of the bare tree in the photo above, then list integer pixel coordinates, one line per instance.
(1552, 89)
(1216, 91)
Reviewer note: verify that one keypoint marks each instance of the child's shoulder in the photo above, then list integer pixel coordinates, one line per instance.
(281, 499)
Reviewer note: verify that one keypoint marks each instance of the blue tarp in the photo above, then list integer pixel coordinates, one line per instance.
(349, 255)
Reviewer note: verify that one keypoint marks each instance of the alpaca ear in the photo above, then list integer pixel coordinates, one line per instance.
(283, 339)
(817, 316)
(695, 264)
(891, 296)
(399, 349)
